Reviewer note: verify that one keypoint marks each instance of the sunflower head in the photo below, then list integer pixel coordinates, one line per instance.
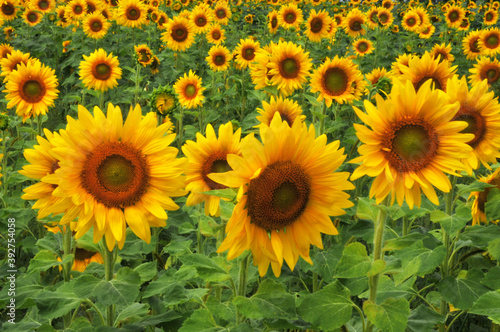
(481, 198)
(100, 71)
(144, 54)
(163, 100)
(189, 90)
(288, 110)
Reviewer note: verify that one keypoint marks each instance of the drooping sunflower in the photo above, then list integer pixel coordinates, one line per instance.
(163, 100)
(333, 80)
(481, 197)
(288, 190)
(272, 21)
(189, 90)
(489, 42)
(289, 110)
(209, 155)
(318, 25)
(491, 17)
(9, 9)
(442, 52)
(100, 71)
(154, 66)
(222, 12)
(218, 58)
(95, 25)
(75, 10)
(485, 69)
(376, 74)
(289, 67)
(470, 45)
(12, 61)
(131, 13)
(32, 17)
(144, 54)
(42, 165)
(117, 174)
(245, 52)
(215, 34)
(420, 70)
(454, 16)
(411, 143)
(353, 23)
(363, 46)
(179, 35)
(31, 88)
(45, 6)
(290, 16)
(481, 111)
(427, 31)
(411, 21)
(202, 18)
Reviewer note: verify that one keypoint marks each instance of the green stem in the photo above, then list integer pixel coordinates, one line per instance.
(99, 313)
(378, 241)
(39, 124)
(406, 226)
(454, 319)
(109, 263)
(67, 266)
(137, 75)
(242, 281)
(360, 315)
(180, 128)
(4, 161)
(322, 120)
(198, 231)
(101, 101)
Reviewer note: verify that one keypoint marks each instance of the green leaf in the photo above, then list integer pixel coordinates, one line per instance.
(84, 285)
(424, 319)
(328, 308)
(200, 320)
(488, 304)
(494, 249)
(313, 100)
(46, 259)
(377, 267)
(492, 206)
(403, 241)
(221, 310)
(128, 275)
(387, 289)
(146, 271)
(354, 263)
(173, 291)
(452, 224)
(116, 292)
(325, 261)
(178, 247)
(367, 209)
(418, 260)
(132, 313)
(56, 304)
(207, 268)
(475, 186)
(390, 316)
(462, 293)
(491, 278)
(224, 193)
(480, 235)
(270, 301)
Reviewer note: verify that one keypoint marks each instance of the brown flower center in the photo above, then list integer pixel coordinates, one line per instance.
(102, 71)
(32, 91)
(316, 25)
(335, 81)
(476, 124)
(179, 33)
(133, 13)
(289, 68)
(216, 163)
(190, 91)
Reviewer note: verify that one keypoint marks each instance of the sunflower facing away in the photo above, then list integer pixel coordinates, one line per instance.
(209, 155)
(117, 173)
(481, 111)
(99, 71)
(189, 90)
(31, 89)
(288, 188)
(163, 100)
(218, 58)
(411, 144)
(481, 197)
(289, 111)
(179, 34)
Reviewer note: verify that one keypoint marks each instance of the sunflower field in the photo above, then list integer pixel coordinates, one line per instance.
(260, 165)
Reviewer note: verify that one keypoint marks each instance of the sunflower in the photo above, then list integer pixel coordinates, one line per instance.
(290, 16)
(272, 21)
(154, 66)
(222, 12)
(363, 47)
(32, 17)
(94, 6)
(202, 17)
(45, 6)
(31, 89)
(454, 16)
(215, 34)
(218, 58)
(481, 111)
(163, 100)
(84, 257)
(75, 10)
(411, 21)
(485, 69)
(259, 70)
(100, 71)
(144, 54)
(5, 50)
(189, 90)
(288, 188)
(372, 18)
(131, 13)
(289, 67)
(385, 18)
(333, 80)
(388, 4)
(442, 52)
(318, 25)
(62, 19)
(420, 70)
(490, 17)
(162, 21)
(288, 109)
(470, 45)
(489, 42)
(95, 25)
(481, 197)
(12, 61)
(402, 60)
(9, 10)
(353, 23)
(338, 19)
(42, 165)
(245, 52)
(117, 174)
(427, 31)
(376, 74)
(179, 35)
(464, 25)
(411, 143)
(249, 18)
(424, 17)
(209, 155)
(9, 32)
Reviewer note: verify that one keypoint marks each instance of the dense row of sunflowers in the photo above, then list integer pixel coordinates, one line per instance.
(420, 123)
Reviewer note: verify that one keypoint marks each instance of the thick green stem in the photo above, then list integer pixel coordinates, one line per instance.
(242, 281)
(180, 127)
(67, 266)
(406, 226)
(322, 120)
(109, 263)
(101, 101)
(137, 76)
(378, 241)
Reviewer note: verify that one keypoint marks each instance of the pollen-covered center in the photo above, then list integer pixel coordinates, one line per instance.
(78, 9)
(116, 174)
(289, 68)
(179, 33)
(8, 9)
(201, 21)
(219, 59)
(383, 18)
(483, 195)
(278, 196)
(82, 254)
(492, 41)
(335, 81)
(355, 25)
(133, 13)
(491, 73)
(411, 21)
(453, 16)
(190, 91)
(476, 124)
(32, 17)
(363, 47)
(220, 13)
(290, 17)
(32, 91)
(216, 163)
(274, 22)
(316, 24)
(248, 53)
(102, 71)
(96, 26)
(410, 144)
(216, 35)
